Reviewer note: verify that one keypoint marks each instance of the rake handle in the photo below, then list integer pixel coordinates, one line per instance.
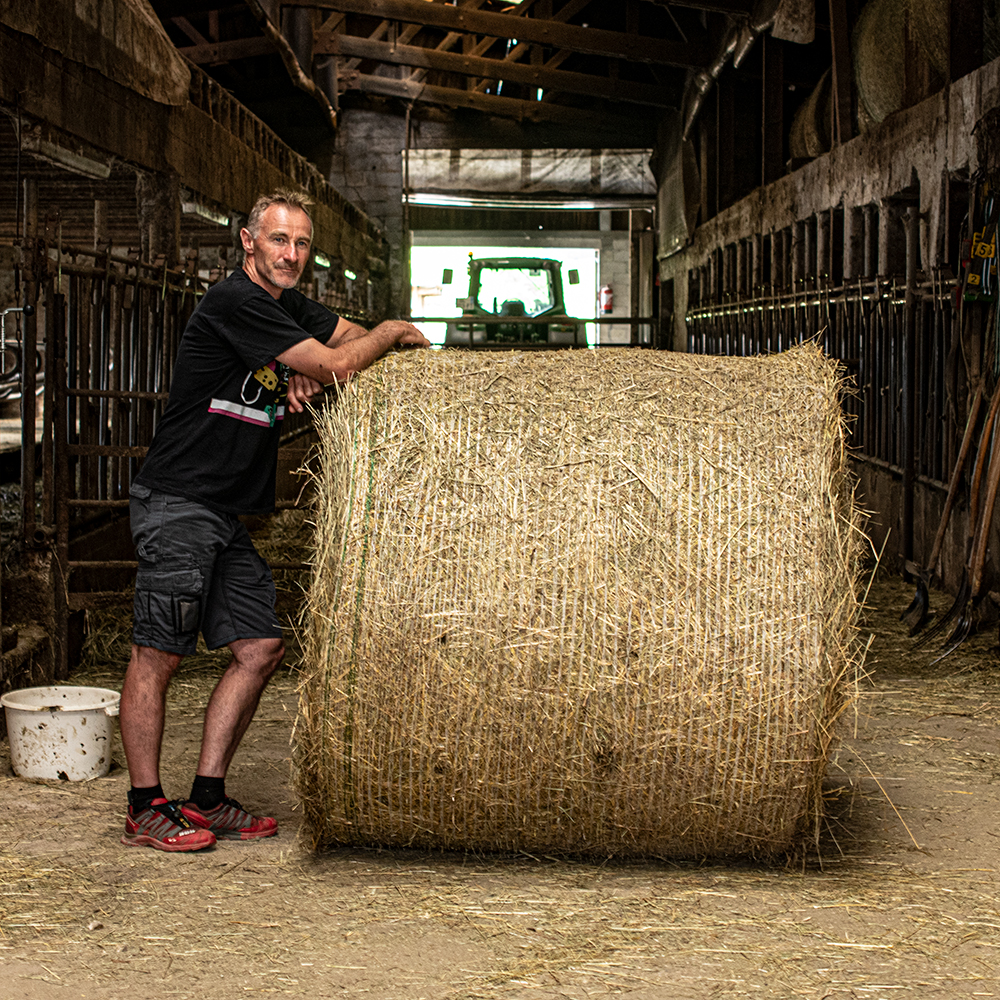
(980, 467)
(985, 521)
(956, 475)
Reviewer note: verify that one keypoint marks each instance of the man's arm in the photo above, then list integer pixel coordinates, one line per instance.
(350, 349)
(344, 332)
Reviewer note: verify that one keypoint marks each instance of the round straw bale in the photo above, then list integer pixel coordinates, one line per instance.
(594, 602)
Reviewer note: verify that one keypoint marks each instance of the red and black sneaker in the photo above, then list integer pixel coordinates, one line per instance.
(164, 827)
(230, 821)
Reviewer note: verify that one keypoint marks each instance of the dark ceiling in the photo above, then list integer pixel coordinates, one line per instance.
(607, 68)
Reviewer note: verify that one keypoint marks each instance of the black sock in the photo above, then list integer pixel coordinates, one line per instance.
(142, 798)
(207, 793)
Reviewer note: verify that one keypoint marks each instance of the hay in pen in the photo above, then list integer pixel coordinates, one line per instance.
(599, 602)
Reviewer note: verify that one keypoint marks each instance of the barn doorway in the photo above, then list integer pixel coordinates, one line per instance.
(432, 300)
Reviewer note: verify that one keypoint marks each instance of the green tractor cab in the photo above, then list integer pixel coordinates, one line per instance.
(514, 303)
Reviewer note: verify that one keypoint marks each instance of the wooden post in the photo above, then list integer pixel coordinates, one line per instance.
(911, 221)
(870, 255)
(854, 234)
(799, 255)
(777, 262)
(159, 206)
(842, 77)
(102, 228)
(823, 248)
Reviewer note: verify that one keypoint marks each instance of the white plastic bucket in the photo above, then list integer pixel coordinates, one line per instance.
(62, 733)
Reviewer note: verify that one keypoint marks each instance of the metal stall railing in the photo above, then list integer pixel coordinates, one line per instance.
(110, 326)
(863, 325)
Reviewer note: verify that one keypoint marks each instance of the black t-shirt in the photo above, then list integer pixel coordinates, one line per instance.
(217, 442)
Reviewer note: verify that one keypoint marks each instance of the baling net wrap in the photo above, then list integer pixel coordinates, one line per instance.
(598, 602)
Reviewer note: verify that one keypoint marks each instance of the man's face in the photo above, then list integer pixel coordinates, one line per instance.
(276, 256)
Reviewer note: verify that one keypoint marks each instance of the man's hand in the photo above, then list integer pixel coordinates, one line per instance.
(405, 334)
(301, 389)
(351, 354)
(413, 339)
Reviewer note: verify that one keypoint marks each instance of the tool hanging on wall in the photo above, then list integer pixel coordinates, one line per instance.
(916, 614)
(970, 598)
(976, 514)
(980, 279)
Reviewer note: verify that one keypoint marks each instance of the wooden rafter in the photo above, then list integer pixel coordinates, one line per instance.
(504, 107)
(591, 41)
(568, 10)
(494, 69)
(409, 32)
(239, 48)
(469, 46)
(543, 40)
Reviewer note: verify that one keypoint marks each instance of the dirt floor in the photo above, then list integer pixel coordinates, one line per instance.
(901, 899)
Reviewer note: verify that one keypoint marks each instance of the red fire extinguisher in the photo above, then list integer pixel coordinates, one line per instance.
(606, 299)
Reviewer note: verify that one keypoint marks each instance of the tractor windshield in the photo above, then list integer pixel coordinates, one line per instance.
(515, 291)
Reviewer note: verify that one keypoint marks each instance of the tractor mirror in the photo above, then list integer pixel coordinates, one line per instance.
(574, 277)
(446, 277)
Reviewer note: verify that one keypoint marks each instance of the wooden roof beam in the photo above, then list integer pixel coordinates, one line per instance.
(568, 10)
(593, 41)
(565, 13)
(504, 107)
(494, 69)
(408, 33)
(238, 48)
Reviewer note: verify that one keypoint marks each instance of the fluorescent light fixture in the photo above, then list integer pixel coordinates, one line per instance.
(321, 260)
(350, 274)
(541, 204)
(204, 212)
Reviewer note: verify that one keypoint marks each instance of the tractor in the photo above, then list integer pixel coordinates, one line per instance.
(514, 303)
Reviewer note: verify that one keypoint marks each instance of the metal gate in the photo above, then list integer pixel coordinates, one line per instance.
(108, 327)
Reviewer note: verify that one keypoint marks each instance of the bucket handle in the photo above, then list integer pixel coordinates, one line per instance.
(111, 710)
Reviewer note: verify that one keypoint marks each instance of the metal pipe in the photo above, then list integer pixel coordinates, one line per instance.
(29, 347)
(823, 248)
(853, 242)
(736, 42)
(869, 257)
(908, 364)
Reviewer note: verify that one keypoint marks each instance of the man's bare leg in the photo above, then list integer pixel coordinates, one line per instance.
(229, 712)
(151, 821)
(142, 711)
(234, 701)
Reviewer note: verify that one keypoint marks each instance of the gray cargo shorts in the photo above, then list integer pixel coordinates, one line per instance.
(198, 571)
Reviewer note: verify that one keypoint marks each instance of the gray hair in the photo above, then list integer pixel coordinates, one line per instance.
(282, 196)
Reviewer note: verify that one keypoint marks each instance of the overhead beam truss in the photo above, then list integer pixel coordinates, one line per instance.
(539, 31)
(541, 37)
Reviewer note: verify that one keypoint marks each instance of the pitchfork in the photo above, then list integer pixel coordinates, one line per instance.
(916, 614)
(976, 519)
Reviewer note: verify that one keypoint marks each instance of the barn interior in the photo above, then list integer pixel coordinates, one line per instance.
(728, 176)
(716, 177)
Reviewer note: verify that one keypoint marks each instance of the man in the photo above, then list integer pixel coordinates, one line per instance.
(213, 457)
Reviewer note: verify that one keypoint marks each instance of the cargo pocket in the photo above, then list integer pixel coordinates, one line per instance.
(169, 601)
